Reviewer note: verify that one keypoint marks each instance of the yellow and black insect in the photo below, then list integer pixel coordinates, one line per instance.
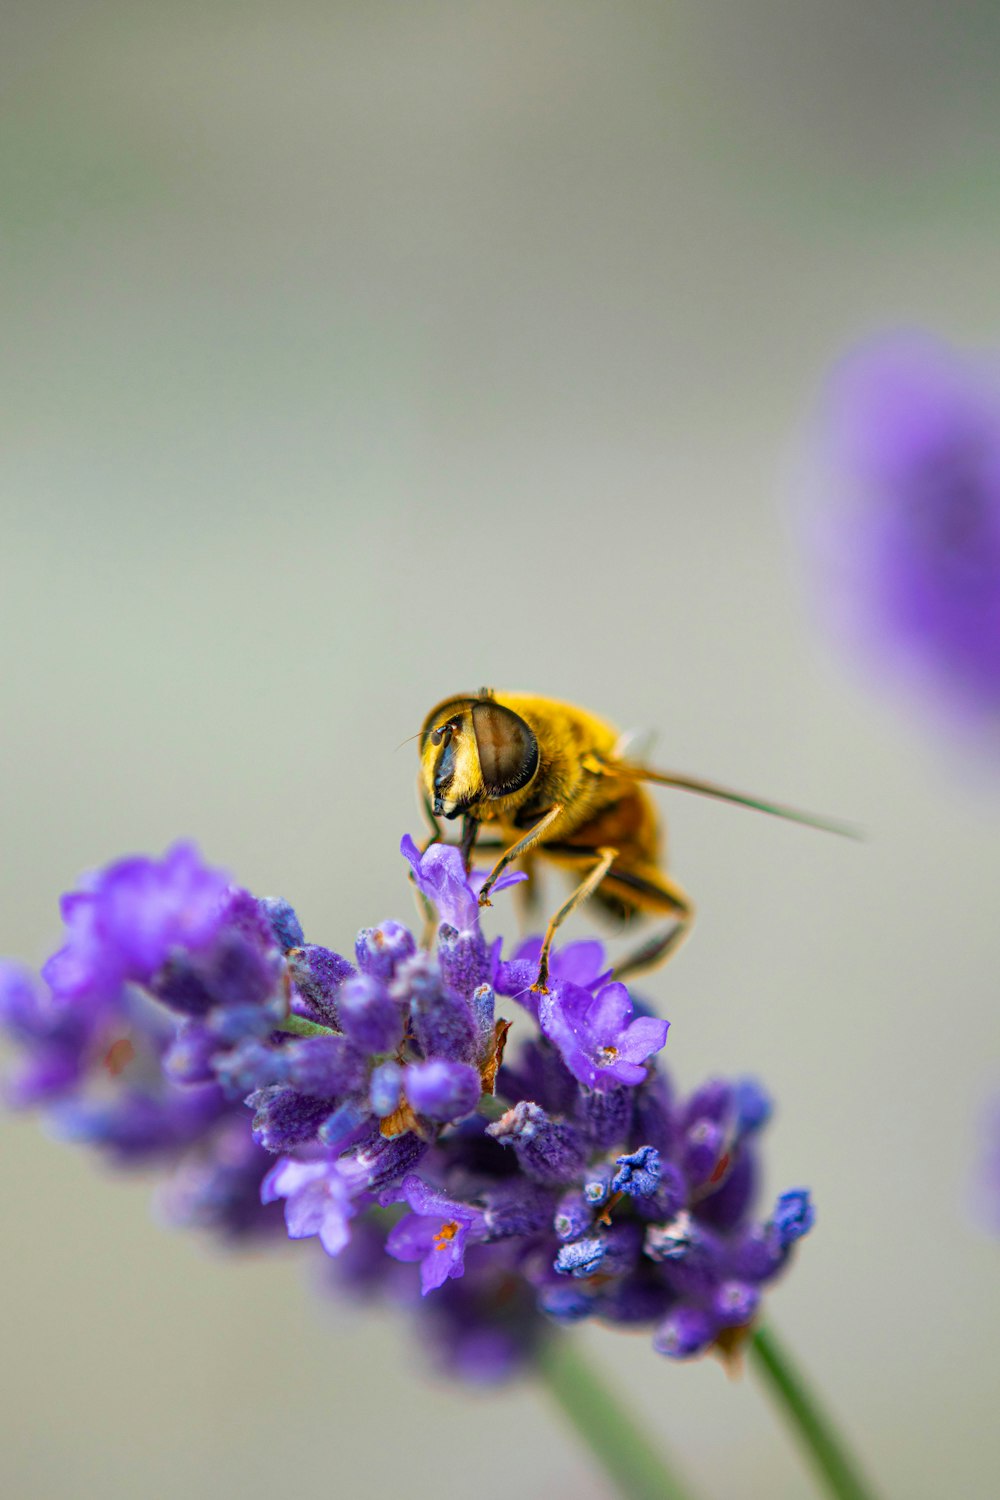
(549, 779)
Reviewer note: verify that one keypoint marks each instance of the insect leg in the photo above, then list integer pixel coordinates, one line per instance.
(652, 892)
(586, 888)
(521, 847)
(526, 895)
(470, 832)
(424, 906)
(428, 811)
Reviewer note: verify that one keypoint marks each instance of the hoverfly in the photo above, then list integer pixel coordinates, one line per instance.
(549, 778)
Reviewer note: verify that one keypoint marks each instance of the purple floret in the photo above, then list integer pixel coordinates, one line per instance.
(380, 950)
(435, 1232)
(639, 1173)
(442, 1090)
(317, 976)
(125, 921)
(794, 1216)
(581, 964)
(598, 1038)
(440, 876)
(319, 1199)
(284, 923)
(56, 1039)
(216, 1186)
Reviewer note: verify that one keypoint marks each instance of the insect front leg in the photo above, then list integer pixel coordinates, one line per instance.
(587, 886)
(424, 906)
(470, 833)
(428, 811)
(530, 839)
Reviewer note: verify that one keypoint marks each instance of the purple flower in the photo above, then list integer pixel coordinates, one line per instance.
(611, 1251)
(283, 1118)
(284, 923)
(794, 1215)
(442, 1020)
(599, 1041)
(907, 528)
(435, 1232)
(549, 1151)
(139, 1125)
(369, 1015)
(385, 1091)
(124, 922)
(639, 1173)
(193, 1025)
(688, 1330)
(440, 876)
(217, 1186)
(379, 950)
(57, 1039)
(442, 1090)
(319, 1199)
(987, 1176)
(317, 976)
(581, 963)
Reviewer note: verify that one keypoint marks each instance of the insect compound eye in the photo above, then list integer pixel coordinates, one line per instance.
(508, 750)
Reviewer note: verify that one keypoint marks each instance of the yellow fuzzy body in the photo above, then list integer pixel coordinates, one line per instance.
(593, 803)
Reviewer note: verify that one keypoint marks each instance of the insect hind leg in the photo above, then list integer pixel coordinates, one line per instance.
(654, 893)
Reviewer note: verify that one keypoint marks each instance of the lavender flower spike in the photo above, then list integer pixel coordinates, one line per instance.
(189, 1025)
(906, 518)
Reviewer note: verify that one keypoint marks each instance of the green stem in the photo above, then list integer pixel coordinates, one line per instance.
(636, 1466)
(816, 1433)
(491, 1107)
(299, 1026)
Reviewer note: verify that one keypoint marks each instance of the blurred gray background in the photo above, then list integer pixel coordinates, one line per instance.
(356, 354)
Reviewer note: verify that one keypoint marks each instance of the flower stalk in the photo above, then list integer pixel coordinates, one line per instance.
(819, 1439)
(635, 1465)
(299, 1026)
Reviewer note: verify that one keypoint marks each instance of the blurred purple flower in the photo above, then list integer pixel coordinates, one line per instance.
(56, 1039)
(319, 1199)
(124, 921)
(907, 525)
(985, 1195)
(216, 1186)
